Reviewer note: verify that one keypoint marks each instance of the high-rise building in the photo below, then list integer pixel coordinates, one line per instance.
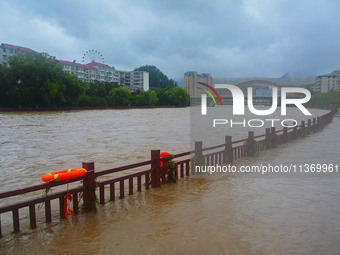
(191, 84)
(326, 82)
(94, 71)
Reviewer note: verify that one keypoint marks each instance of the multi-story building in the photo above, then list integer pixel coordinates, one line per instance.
(94, 71)
(191, 84)
(7, 50)
(326, 82)
(132, 80)
(90, 72)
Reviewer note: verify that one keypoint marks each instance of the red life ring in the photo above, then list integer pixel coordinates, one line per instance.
(68, 213)
(163, 155)
(63, 175)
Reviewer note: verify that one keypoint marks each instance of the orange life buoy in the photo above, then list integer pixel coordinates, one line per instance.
(63, 175)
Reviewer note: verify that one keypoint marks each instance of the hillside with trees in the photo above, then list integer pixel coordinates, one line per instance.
(157, 79)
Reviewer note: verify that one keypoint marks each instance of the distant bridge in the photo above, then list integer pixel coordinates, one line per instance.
(246, 83)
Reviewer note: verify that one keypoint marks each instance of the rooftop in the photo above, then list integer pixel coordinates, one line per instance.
(73, 63)
(94, 63)
(10, 46)
(335, 73)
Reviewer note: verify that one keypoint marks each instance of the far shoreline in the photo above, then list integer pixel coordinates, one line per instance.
(79, 108)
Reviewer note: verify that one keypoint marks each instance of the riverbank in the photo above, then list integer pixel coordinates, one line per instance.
(76, 108)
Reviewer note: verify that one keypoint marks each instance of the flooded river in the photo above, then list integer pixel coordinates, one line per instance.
(217, 214)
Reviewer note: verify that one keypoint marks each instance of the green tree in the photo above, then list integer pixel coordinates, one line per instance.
(84, 100)
(119, 97)
(150, 97)
(35, 80)
(175, 96)
(52, 94)
(138, 99)
(98, 93)
(332, 97)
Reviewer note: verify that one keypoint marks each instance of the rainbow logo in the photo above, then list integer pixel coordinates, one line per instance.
(209, 93)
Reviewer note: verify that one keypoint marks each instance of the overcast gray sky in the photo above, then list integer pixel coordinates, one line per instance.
(251, 38)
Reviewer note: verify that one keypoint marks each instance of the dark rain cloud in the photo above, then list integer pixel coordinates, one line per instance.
(225, 38)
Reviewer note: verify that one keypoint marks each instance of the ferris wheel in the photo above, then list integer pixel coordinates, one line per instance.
(92, 55)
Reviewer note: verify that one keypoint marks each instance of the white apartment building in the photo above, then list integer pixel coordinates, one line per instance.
(133, 80)
(7, 50)
(90, 72)
(324, 83)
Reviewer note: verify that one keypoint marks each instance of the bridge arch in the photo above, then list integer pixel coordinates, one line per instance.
(242, 84)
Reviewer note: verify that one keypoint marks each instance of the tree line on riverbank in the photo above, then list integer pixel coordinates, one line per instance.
(33, 80)
(331, 98)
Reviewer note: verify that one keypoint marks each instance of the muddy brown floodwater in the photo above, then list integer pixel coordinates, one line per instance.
(203, 214)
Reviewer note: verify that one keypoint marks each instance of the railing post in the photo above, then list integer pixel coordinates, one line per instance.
(228, 155)
(285, 134)
(199, 149)
(295, 132)
(302, 129)
(198, 158)
(156, 169)
(273, 137)
(33, 221)
(89, 186)
(309, 126)
(268, 141)
(15, 215)
(318, 121)
(250, 144)
(314, 125)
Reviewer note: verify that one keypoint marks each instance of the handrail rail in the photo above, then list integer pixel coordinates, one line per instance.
(124, 177)
(8, 208)
(48, 185)
(122, 168)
